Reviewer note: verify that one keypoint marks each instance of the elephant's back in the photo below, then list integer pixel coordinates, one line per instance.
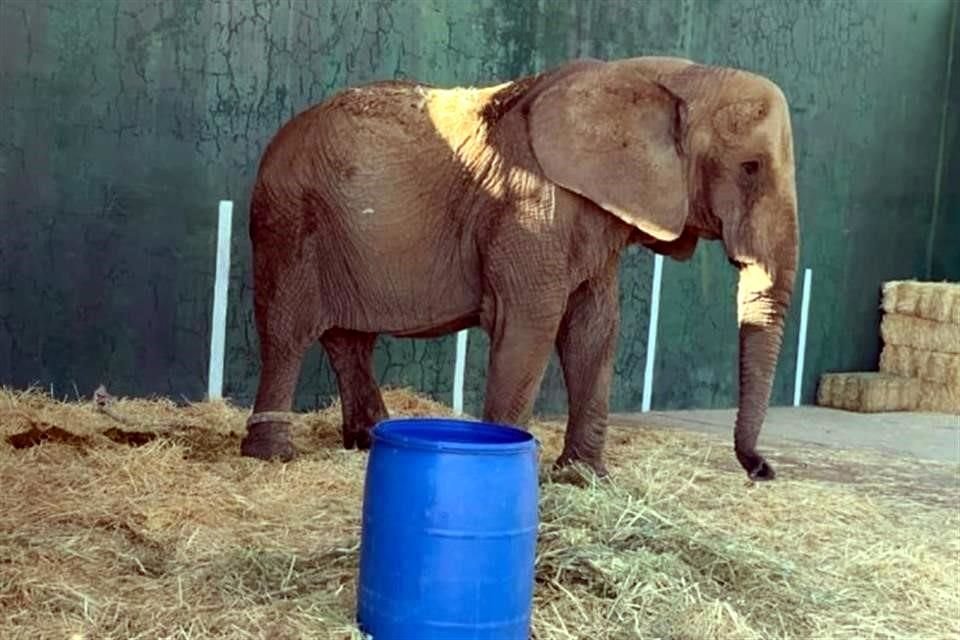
(388, 131)
(395, 160)
(368, 153)
(404, 126)
(378, 180)
(377, 116)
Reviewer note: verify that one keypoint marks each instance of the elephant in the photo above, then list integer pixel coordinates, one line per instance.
(401, 208)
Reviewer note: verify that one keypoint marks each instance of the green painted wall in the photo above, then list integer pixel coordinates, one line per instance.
(944, 241)
(123, 122)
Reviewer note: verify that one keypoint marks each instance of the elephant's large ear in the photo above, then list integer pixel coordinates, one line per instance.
(614, 136)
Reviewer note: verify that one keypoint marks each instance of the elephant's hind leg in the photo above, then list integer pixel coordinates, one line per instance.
(268, 429)
(285, 304)
(351, 354)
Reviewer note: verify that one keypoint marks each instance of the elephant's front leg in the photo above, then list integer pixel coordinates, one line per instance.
(522, 338)
(586, 344)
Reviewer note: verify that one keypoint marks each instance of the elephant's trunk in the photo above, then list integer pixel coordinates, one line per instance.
(763, 297)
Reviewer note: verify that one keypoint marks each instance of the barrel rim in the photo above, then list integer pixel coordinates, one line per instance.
(390, 431)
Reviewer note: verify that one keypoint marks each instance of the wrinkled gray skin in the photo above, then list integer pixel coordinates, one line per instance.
(397, 208)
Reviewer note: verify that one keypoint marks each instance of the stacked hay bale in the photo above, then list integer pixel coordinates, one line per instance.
(868, 392)
(920, 359)
(921, 335)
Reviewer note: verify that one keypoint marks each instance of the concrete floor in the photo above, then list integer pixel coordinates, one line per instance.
(931, 436)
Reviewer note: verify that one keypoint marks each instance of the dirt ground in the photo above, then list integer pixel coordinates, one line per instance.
(931, 436)
(792, 436)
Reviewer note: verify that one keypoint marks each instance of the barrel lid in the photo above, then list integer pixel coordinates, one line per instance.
(454, 434)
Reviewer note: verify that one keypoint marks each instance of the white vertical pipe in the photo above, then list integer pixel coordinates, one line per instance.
(218, 328)
(802, 340)
(459, 372)
(652, 332)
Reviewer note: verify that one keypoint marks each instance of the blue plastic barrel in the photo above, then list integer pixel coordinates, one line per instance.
(449, 533)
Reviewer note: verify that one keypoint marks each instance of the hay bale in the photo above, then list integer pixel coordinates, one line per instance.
(939, 301)
(920, 333)
(939, 398)
(921, 363)
(869, 392)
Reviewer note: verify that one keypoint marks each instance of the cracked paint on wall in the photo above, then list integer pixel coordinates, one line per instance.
(126, 121)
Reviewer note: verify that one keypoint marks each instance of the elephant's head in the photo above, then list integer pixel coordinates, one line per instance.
(676, 149)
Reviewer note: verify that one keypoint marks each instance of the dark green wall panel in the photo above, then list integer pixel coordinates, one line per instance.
(125, 121)
(944, 243)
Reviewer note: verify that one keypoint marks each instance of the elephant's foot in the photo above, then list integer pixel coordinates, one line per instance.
(359, 439)
(358, 424)
(268, 441)
(756, 467)
(594, 463)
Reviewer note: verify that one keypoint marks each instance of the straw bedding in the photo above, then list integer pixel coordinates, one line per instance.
(170, 534)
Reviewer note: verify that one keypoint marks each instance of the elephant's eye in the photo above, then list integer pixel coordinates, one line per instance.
(751, 167)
